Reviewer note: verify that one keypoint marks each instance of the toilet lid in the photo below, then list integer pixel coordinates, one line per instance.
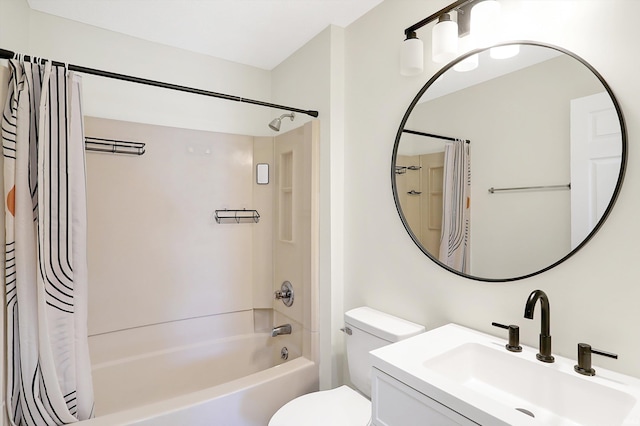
(336, 407)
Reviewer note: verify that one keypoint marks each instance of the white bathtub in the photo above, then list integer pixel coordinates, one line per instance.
(239, 380)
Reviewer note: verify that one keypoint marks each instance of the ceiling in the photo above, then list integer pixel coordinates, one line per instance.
(260, 33)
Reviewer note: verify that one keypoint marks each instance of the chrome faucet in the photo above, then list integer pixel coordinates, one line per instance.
(544, 353)
(281, 329)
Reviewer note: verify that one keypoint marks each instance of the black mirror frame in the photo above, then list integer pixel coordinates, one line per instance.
(614, 197)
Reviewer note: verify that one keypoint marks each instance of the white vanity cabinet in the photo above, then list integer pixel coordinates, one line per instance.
(396, 404)
(453, 375)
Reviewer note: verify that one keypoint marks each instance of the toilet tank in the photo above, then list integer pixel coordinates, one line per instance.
(369, 330)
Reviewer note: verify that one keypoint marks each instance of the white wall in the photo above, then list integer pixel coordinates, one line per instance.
(313, 77)
(14, 24)
(593, 295)
(69, 41)
(156, 253)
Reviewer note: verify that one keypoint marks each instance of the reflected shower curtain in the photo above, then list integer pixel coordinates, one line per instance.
(48, 369)
(456, 204)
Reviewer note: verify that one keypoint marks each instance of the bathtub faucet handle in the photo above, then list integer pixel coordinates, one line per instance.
(285, 293)
(282, 294)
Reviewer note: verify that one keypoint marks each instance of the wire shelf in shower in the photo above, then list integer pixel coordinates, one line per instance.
(113, 146)
(237, 216)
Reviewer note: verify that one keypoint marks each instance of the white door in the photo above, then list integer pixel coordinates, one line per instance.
(596, 154)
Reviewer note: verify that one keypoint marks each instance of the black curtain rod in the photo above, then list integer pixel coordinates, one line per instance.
(431, 135)
(7, 54)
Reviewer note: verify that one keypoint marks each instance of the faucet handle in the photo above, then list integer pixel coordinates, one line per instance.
(584, 359)
(514, 336)
(285, 293)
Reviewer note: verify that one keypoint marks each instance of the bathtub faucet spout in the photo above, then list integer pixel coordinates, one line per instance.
(281, 329)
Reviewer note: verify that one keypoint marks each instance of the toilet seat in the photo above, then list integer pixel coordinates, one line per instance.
(336, 407)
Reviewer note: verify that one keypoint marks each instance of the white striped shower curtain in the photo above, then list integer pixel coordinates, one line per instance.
(456, 208)
(48, 369)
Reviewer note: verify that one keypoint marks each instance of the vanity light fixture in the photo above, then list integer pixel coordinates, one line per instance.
(485, 18)
(504, 52)
(475, 26)
(468, 64)
(411, 55)
(444, 39)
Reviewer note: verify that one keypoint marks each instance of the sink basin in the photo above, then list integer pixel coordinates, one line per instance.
(473, 374)
(548, 394)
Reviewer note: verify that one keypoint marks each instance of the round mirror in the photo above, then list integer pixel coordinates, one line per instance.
(505, 171)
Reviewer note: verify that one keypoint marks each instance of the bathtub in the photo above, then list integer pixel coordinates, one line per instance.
(239, 380)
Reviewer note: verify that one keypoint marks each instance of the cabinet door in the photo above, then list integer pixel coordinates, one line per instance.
(396, 404)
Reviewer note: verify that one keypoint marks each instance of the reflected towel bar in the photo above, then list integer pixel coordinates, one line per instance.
(431, 135)
(530, 188)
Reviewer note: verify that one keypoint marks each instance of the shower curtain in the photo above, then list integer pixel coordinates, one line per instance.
(456, 200)
(48, 369)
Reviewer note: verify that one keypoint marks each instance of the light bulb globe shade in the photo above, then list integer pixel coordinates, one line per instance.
(504, 52)
(467, 64)
(411, 57)
(444, 40)
(485, 21)
(467, 44)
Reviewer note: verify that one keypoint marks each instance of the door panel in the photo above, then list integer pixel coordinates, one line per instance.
(596, 152)
(432, 180)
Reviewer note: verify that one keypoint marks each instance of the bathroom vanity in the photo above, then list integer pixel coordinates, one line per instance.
(395, 403)
(453, 375)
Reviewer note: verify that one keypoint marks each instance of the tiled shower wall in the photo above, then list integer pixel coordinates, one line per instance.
(156, 253)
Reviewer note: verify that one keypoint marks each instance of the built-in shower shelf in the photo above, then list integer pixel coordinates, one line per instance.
(237, 216)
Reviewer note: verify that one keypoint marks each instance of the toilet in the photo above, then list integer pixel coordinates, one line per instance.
(365, 330)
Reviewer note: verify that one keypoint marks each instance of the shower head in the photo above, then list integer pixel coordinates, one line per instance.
(275, 123)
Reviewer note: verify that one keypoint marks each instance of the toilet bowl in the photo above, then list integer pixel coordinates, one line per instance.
(366, 329)
(336, 407)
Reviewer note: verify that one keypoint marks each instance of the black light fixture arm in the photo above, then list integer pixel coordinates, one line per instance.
(7, 54)
(455, 5)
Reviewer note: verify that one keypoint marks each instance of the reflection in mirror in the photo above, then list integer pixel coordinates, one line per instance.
(547, 155)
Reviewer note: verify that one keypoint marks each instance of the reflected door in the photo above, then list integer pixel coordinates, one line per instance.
(432, 171)
(419, 180)
(596, 154)
(410, 190)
